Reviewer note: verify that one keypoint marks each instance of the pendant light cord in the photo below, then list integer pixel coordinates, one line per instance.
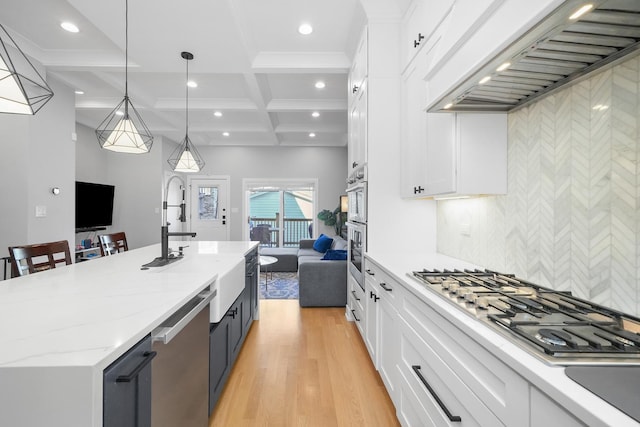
(126, 48)
(187, 97)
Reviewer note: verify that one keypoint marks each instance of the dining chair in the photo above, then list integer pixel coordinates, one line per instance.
(113, 243)
(29, 259)
(261, 233)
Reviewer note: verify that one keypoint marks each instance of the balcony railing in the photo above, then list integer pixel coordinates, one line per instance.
(295, 229)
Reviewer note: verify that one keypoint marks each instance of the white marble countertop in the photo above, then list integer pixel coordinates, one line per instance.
(550, 379)
(60, 328)
(88, 314)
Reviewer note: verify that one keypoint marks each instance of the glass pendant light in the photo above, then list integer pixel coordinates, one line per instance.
(22, 88)
(123, 130)
(185, 158)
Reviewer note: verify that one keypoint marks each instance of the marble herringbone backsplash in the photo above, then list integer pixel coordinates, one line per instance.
(571, 219)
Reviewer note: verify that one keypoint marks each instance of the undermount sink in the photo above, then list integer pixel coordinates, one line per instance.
(229, 287)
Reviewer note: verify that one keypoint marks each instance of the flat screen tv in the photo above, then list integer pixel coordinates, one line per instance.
(94, 205)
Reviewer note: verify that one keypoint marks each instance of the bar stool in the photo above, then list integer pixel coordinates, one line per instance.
(29, 259)
(113, 243)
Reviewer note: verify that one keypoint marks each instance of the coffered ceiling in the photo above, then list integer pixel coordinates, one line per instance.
(250, 64)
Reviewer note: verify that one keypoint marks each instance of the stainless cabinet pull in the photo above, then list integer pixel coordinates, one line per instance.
(148, 355)
(354, 315)
(355, 296)
(384, 286)
(452, 418)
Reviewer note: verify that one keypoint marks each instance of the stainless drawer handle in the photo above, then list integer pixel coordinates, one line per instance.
(355, 296)
(452, 418)
(354, 315)
(384, 286)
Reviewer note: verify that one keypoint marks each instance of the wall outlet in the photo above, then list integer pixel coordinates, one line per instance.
(41, 211)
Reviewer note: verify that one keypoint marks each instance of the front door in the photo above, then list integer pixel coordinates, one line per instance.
(209, 212)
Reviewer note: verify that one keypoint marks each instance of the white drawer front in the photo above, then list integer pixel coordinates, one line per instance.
(356, 294)
(430, 378)
(388, 287)
(498, 387)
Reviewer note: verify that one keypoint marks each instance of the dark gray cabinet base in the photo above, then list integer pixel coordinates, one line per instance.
(127, 388)
(227, 336)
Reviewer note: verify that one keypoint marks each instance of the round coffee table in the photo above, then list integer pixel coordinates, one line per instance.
(266, 261)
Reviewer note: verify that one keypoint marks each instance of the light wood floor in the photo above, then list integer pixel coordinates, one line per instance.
(303, 367)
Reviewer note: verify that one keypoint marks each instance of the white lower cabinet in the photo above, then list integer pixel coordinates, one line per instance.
(545, 412)
(381, 337)
(371, 319)
(433, 371)
(431, 392)
(355, 304)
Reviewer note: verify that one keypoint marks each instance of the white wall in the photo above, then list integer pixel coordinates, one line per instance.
(138, 180)
(393, 223)
(38, 154)
(327, 164)
(570, 220)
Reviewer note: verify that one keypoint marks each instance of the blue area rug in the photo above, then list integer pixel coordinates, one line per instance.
(280, 286)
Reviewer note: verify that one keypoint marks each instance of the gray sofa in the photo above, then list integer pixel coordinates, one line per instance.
(322, 283)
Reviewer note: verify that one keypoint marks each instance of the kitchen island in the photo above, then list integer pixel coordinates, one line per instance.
(60, 329)
(479, 372)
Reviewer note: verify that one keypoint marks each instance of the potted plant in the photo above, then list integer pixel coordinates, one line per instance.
(331, 218)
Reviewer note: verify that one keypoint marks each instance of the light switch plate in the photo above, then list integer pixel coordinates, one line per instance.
(41, 211)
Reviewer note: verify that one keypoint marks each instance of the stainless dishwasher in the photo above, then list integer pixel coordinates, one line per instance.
(180, 371)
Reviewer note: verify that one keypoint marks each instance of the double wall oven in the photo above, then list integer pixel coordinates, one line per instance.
(357, 222)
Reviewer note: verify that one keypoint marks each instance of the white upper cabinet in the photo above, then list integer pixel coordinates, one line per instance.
(466, 154)
(474, 31)
(419, 25)
(357, 144)
(414, 130)
(359, 68)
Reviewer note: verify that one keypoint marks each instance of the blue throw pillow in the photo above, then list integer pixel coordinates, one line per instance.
(322, 243)
(335, 255)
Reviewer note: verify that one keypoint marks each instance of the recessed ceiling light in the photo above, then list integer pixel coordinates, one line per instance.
(312, 135)
(600, 107)
(320, 85)
(217, 113)
(305, 29)
(79, 92)
(191, 83)
(578, 13)
(484, 80)
(70, 26)
(315, 114)
(119, 113)
(504, 66)
(225, 133)
(449, 105)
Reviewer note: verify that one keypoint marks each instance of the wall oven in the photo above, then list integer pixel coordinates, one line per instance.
(357, 239)
(357, 195)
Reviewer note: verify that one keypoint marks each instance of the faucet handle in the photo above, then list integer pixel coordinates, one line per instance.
(180, 248)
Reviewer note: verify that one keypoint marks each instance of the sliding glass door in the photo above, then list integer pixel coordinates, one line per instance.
(280, 214)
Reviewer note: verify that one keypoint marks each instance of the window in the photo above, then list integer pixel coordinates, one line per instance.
(207, 203)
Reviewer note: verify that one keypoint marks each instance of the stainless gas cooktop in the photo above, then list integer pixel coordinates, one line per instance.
(556, 326)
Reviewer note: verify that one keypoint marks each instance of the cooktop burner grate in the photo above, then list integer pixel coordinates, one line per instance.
(555, 323)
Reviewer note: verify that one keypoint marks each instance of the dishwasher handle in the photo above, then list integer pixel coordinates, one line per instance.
(181, 318)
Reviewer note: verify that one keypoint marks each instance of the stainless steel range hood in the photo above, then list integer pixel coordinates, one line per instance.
(557, 51)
